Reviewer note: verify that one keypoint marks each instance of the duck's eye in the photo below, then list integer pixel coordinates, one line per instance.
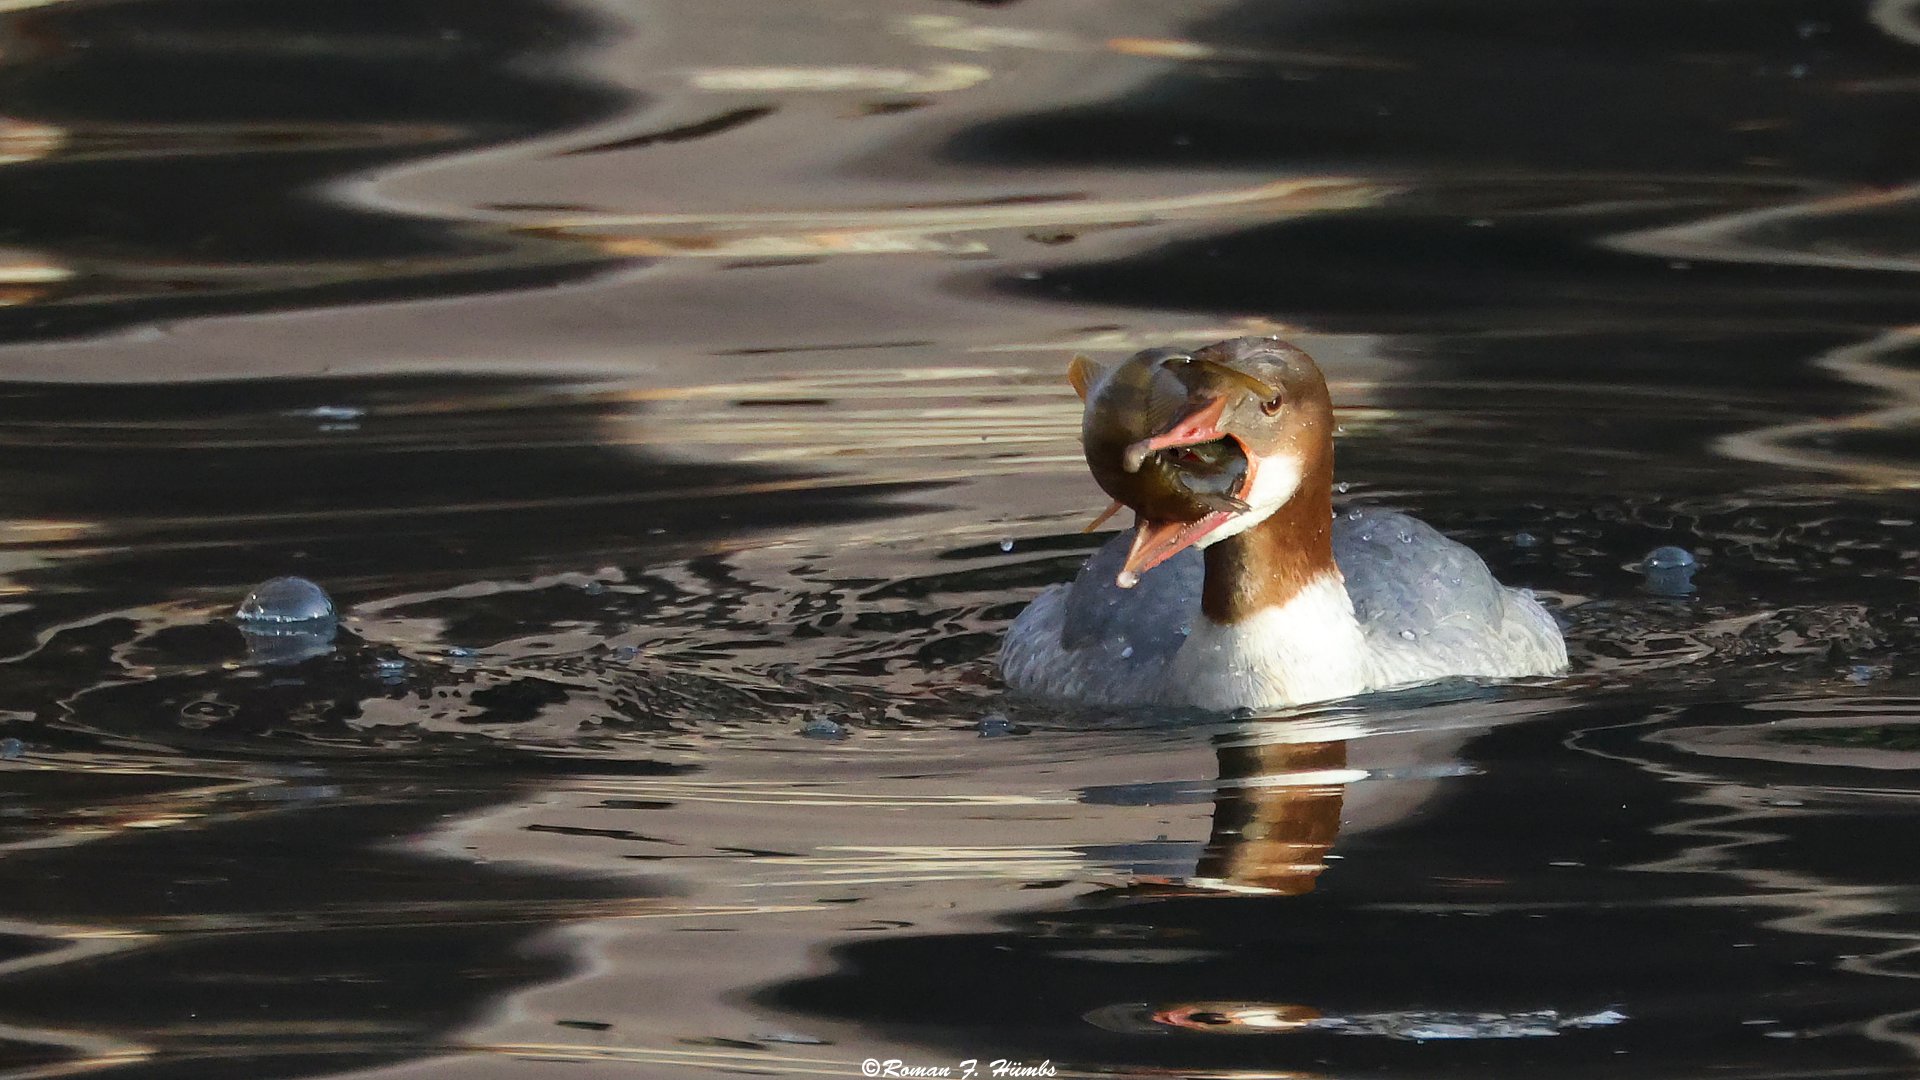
(1272, 404)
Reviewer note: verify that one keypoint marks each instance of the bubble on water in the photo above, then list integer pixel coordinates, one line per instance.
(11, 749)
(1668, 558)
(994, 725)
(1669, 571)
(1366, 535)
(626, 652)
(1407, 634)
(821, 727)
(595, 587)
(1126, 652)
(1343, 487)
(1525, 540)
(1406, 537)
(282, 601)
(1355, 514)
(1006, 544)
(286, 620)
(459, 652)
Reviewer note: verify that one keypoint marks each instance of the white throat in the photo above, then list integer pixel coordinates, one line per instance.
(1307, 649)
(1274, 482)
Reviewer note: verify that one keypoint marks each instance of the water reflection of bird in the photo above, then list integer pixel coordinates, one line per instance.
(1230, 449)
(1276, 812)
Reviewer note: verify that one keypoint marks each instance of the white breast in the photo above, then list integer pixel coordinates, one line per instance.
(1408, 606)
(1308, 649)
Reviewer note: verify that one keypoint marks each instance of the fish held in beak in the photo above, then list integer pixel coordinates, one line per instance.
(1177, 437)
(1155, 540)
(1202, 425)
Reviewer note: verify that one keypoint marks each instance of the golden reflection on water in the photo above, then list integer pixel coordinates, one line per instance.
(1815, 232)
(28, 140)
(940, 79)
(1794, 234)
(927, 229)
(717, 1059)
(953, 32)
(25, 276)
(1899, 18)
(1883, 363)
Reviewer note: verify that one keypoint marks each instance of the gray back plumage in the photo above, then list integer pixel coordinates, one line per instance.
(1427, 607)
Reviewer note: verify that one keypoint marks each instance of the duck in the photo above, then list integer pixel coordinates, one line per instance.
(1239, 585)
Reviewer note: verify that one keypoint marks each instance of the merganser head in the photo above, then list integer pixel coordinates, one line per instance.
(1207, 444)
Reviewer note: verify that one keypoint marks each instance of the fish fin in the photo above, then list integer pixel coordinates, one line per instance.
(1105, 516)
(1082, 373)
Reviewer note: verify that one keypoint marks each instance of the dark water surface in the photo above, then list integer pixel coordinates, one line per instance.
(646, 382)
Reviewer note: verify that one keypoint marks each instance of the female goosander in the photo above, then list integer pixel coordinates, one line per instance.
(1259, 594)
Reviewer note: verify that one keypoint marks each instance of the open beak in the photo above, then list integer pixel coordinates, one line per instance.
(1154, 542)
